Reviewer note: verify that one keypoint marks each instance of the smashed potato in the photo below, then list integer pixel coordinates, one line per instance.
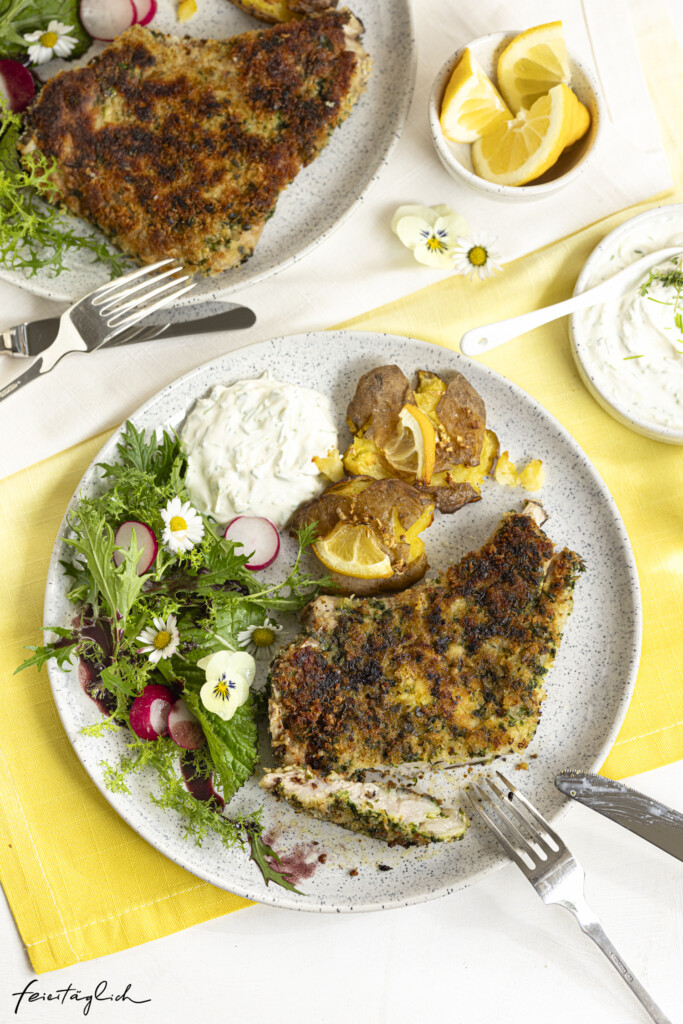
(282, 10)
(458, 414)
(393, 510)
(330, 465)
(531, 477)
(413, 451)
(455, 413)
(374, 410)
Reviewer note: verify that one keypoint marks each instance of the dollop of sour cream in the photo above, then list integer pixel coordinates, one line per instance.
(632, 347)
(250, 447)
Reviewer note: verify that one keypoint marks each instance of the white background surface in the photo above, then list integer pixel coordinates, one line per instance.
(492, 953)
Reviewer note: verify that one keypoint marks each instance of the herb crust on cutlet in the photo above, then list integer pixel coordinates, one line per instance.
(181, 147)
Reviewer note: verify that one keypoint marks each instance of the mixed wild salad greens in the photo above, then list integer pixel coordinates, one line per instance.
(137, 637)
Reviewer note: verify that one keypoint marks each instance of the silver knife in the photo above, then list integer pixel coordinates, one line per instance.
(660, 825)
(30, 339)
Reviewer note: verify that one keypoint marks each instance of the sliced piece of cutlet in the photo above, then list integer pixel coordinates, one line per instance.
(181, 147)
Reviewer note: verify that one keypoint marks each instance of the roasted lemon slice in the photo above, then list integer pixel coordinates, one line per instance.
(471, 104)
(354, 550)
(521, 150)
(532, 64)
(411, 452)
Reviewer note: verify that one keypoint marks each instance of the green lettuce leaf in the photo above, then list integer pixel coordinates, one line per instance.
(233, 745)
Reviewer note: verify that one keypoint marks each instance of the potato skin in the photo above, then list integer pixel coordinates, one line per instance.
(450, 497)
(282, 10)
(380, 395)
(462, 411)
(327, 509)
(344, 586)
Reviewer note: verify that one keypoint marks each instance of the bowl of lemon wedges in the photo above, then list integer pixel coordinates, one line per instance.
(513, 115)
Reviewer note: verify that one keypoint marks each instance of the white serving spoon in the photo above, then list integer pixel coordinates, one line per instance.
(483, 339)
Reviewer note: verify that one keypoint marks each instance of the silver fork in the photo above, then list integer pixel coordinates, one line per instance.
(549, 866)
(115, 309)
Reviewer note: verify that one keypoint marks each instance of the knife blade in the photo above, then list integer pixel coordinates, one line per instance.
(30, 339)
(640, 814)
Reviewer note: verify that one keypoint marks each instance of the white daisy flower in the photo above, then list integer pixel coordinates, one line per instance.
(430, 231)
(258, 640)
(160, 640)
(475, 255)
(229, 674)
(184, 526)
(55, 41)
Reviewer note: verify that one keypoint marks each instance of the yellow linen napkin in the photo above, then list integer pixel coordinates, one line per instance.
(59, 835)
(80, 882)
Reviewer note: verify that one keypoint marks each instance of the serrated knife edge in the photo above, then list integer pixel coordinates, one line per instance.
(646, 817)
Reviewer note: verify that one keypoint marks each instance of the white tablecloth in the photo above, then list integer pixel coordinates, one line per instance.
(492, 953)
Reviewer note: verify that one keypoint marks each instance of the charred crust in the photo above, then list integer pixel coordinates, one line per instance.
(182, 147)
(452, 669)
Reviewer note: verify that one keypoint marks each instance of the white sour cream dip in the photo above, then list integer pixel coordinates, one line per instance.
(250, 446)
(632, 347)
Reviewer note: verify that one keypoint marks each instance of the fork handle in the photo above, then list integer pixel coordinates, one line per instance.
(589, 924)
(23, 378)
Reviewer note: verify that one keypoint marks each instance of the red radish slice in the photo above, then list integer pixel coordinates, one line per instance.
(200, 786)
(17, 86)
(258, 537)
(150, 710)
(145, 10)
(183, 728)
(145, 540)
(106, 20)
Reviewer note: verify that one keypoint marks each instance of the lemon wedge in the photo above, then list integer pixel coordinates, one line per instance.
(412, 450)
(522, 149)
(471, 105)
(532, 64)
(354, 550)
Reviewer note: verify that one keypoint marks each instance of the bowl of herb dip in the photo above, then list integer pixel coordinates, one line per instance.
(629, 352)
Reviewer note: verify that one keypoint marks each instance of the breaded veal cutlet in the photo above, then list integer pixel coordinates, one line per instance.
(181, 147)
(450, 671)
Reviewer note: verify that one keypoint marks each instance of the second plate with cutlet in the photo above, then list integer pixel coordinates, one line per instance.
(236, 149)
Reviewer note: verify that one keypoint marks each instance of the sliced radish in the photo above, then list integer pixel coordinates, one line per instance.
(183, 728)
(107, 20)
(17, 86)
(145, 540)
(145, 10)
(201, 786)
(150, 711)
(258, 537)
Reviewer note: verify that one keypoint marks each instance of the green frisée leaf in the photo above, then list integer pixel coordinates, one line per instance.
(34, 235)
(119, 587)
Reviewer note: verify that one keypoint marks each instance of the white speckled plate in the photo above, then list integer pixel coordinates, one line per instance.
(325, 192)
(589, 686)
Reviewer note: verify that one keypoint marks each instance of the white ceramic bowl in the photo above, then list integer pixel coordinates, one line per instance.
(647, 232)
(456, 156)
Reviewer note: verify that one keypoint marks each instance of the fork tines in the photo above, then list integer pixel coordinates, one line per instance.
(127, 300)
(510, 815)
